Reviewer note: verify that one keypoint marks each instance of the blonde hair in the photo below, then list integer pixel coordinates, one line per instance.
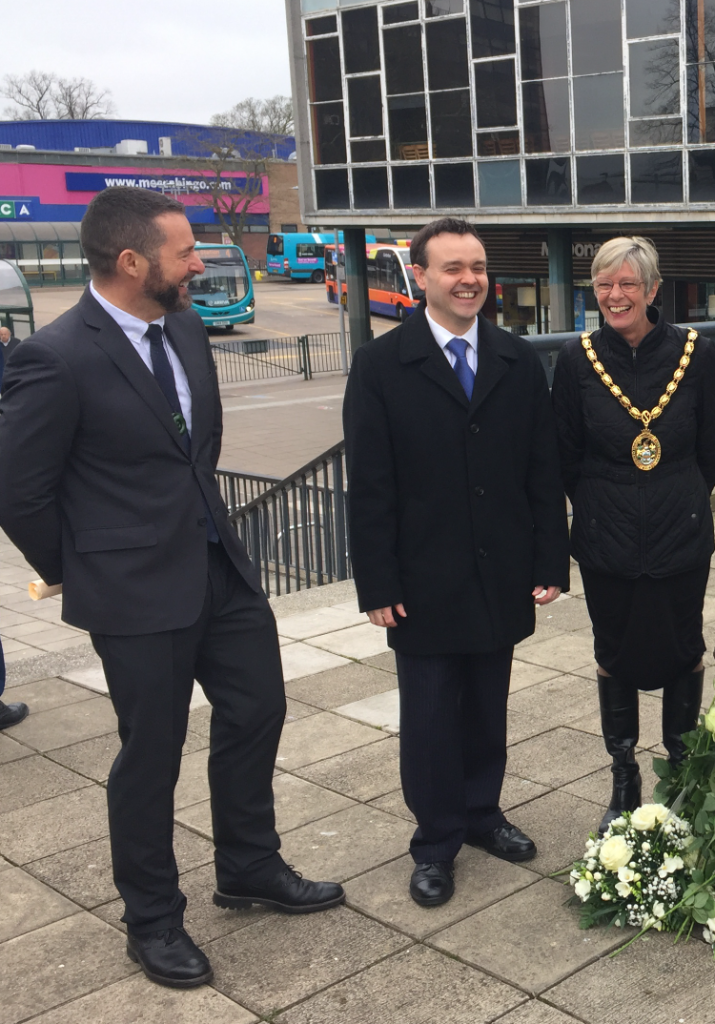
(639, 253)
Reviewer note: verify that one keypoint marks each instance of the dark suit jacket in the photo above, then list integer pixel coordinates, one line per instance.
(456, 508)
(95, 487)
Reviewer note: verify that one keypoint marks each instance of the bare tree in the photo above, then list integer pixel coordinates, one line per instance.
(270, 117)
(32, 95)
(40, 95)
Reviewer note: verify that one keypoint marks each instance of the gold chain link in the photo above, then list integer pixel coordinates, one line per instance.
(645, 416)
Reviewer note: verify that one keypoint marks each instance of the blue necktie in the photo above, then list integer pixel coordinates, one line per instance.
(465, 374)
(164, 376)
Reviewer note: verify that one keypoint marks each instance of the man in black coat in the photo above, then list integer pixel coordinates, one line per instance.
(457, 527)
(110, 432)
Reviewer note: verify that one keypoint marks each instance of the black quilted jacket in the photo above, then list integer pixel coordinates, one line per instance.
(626, 521)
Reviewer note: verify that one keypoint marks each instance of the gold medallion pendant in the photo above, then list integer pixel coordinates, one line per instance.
(646, 448)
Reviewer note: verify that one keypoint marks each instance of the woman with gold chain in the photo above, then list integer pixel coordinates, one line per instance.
(635, 406)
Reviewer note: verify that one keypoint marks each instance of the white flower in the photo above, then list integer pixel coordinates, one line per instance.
(708, 935)
(672, 864)
(710, 923)
(645, 818)
(598, 876)
(645, 847)
(615, 853)
(659, 910)
(591, 863)
(582, 888)
(574, 876)
(626, 874)
(605, 896)
(710, 718)
(623, 889)
(590, 844)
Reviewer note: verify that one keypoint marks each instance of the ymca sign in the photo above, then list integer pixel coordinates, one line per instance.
(16, 209)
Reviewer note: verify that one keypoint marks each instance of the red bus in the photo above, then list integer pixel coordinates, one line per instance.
(391, 281)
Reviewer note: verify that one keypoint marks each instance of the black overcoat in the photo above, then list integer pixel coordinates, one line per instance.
(456, 509)
(96, 488)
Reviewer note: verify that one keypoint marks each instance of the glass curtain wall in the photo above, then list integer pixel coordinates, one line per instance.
(508, 104)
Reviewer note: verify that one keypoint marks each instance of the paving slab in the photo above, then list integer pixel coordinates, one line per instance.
(562, 652)
(299, 660)
(479, 881)
(516, 791)
(84, 873)
(386, 662)
(362, 774)
(193, 784)
(413, 987)
(563, 699)
(320, 736)
(362, 641)
(381, 711)
(28, 904)
(651, 982)
(296, 709)
(650, 712)
(340, 686)
(530, 939)
(10, 750)
(567, 614)
(536, 1012)
(59, 962)
(65, 725)
(345, 844)
(317, 622)
(32, 779)
(29, 833)
(138, 1001)
(46, 694)
(284, 958)
(597, 787)
(298, 802)
(557, 757)
(91, 758)
(523, 675)
(394, 803)
(559, 824)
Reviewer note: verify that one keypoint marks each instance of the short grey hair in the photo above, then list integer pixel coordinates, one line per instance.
(639, 253)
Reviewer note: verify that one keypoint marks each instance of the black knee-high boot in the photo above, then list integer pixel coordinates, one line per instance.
(681, 707)
(619, 721)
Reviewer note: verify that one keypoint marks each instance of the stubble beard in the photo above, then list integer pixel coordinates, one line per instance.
(168, 296)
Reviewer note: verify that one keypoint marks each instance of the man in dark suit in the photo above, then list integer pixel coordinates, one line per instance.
(8, 344)
(457, 527)
(110, 432)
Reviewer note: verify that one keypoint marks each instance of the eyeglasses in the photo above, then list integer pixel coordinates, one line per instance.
(604, 287)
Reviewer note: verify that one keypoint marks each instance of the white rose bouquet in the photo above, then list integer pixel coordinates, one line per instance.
(641, 874)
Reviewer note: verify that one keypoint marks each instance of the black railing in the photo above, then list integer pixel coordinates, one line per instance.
(239, 489)
(263, 358)
(296, 532)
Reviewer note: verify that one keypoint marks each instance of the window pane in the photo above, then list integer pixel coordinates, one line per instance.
(598, 111)
(454, 184)
(408, 127)
(546, 116)
(497, 143)
(496, 93)
(596, 36)
(656, 133)
(410, 187)
(702, 176)
(451, 124)
(331, 189)
(400, 12)
(324, 80)
(548, 182)
(307, 6)
(329, 134)
(403, 59)
(656, 178)
(447, 66)
(361, 46)
(365, 106)
(370, 188)
(701, 103)
(700, 35)
(492, 27)
(601, 180)
(543, 41)
(500, 183)
(655, 78)
(437, 8)
(321, 26)
(652, 17)
(367, 152)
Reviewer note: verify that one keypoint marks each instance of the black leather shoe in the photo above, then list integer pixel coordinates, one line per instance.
(286, 891)
(170, 957)
(432, 884)
(11, 714)
(505, 841)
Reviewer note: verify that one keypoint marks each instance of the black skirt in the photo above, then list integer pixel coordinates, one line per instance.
(647, 630)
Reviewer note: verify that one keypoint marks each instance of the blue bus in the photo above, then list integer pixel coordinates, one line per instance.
(300, 256)
(223, 294)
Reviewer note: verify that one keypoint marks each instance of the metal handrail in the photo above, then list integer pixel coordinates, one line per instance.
(265, 358)
(239, 489)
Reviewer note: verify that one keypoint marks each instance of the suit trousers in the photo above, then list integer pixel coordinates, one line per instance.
(232, 650)
(452, 746)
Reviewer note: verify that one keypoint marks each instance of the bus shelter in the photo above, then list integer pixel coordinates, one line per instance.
(15, 301)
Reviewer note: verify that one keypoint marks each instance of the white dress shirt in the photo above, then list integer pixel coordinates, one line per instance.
(443, 337)
(135, 330)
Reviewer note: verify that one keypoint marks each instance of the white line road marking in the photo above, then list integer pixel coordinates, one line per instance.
(288, 401)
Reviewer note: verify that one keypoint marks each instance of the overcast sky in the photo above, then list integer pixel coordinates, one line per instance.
(180, 60)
